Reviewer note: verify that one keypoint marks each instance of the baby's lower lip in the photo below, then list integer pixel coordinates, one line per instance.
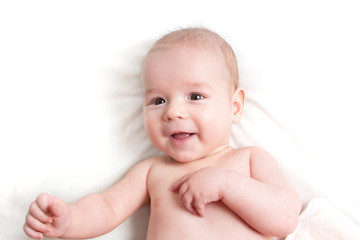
(181, 136)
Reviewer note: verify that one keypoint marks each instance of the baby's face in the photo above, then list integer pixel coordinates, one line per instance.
(188, 109)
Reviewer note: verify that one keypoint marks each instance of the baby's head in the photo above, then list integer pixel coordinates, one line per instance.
(204, 39)
(191, 93)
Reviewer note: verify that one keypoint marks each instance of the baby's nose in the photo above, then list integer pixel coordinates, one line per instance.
(175, 111)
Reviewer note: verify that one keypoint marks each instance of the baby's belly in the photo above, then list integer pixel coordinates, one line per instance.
(170, 220)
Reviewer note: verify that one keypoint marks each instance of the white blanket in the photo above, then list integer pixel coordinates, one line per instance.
(322, 221)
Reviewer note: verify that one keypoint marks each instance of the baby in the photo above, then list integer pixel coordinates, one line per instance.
(202, 188)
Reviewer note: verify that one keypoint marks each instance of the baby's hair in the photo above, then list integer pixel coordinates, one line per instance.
(201, 38)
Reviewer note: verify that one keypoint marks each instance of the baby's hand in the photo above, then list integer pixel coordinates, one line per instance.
(200, 188)
(48, 216)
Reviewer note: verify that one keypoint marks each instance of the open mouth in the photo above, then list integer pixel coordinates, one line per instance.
(181, 135)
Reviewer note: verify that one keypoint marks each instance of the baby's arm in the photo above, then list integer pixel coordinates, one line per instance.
(93, 215)
(266, 201)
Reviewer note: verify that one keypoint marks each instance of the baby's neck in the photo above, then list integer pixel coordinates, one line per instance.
(214, 154)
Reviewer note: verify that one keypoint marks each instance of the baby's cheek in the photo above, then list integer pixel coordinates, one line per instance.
(155, 137)
(150, 131)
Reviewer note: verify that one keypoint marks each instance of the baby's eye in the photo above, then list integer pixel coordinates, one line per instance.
(158, 101)
(195, 96)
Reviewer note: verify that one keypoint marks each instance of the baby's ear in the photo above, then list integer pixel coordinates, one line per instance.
(237, 101)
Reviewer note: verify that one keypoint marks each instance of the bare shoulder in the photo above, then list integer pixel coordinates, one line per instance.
(135, 178)
(157, 161)
(261, 164)
(263, 167)
(259, 158)
(148, 163)
(254, 154)
(138, 173)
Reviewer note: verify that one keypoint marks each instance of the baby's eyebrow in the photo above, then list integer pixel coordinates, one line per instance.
(149, 91)
(196, 85)
(200, 85)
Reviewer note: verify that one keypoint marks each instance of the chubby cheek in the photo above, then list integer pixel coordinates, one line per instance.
(217, 123)
(152, 129)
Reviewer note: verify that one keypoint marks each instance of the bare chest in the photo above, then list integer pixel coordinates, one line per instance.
(167, 172)
(169, 216)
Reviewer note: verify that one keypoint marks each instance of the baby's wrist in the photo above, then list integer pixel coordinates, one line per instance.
(230, 179)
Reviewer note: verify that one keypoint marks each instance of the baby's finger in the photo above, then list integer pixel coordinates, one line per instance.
(36, 212)
(43, 201)
(183, 189)
(36, 225)
(57, 209)
(179, 182)
(199, 207)
(32, 233)
(187, 202)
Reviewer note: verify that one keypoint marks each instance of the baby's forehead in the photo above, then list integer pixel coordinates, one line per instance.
(185, 58)
(201, 39)
(164, 50)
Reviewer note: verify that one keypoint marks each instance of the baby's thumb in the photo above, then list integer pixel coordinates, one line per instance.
(57, 209)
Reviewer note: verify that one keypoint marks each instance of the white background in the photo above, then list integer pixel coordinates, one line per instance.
(70, 101)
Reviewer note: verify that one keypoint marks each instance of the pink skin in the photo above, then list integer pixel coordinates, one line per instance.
(200, 188)
(189, 103)
(48, 216)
